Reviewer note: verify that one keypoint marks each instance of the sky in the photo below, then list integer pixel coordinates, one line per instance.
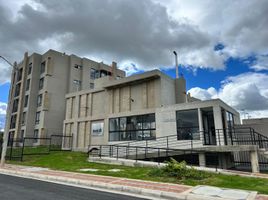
(222, 45)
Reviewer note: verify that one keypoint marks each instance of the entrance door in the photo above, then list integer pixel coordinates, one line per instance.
(209, 128)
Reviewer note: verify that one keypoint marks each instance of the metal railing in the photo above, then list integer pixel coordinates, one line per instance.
(18, 148)
(167, 146)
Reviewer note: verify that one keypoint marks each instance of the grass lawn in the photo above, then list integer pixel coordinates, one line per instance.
(73, 161)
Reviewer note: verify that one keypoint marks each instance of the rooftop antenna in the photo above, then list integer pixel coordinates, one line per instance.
(176, 64)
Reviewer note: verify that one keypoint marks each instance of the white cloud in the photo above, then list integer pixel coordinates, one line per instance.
(246, 91)
(261, 63)
(142, 32)
(3, 108)
(238, 25)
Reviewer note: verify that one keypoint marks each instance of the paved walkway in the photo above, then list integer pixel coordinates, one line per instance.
(147, 188)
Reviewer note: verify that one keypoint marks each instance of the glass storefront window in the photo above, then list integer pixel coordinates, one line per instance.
(132, 128)
(187, 124)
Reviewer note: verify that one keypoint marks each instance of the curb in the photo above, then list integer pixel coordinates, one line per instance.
(97, 185)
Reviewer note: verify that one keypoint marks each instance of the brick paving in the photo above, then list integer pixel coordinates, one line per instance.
(165, 187)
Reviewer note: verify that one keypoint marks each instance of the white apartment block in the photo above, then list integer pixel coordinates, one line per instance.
(38, 88)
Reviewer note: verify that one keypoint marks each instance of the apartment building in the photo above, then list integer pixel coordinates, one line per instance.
(38, 87)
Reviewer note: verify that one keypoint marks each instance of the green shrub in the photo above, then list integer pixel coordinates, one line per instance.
(179, 170)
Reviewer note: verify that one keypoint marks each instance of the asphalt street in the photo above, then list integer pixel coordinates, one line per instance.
(16, 188)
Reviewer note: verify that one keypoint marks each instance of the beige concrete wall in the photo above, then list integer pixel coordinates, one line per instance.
(259, 124)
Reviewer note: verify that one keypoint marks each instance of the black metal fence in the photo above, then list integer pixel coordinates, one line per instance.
(170, 146)
(17, 149)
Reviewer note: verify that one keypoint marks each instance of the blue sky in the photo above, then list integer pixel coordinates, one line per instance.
(222, 45)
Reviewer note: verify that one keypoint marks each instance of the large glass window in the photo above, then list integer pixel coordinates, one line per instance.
(187, 124)
(132, 128)
(230, 120)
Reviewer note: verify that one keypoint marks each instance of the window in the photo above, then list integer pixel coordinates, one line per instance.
(13, 121)
(230, 120)
(23, 118)
(30, 68)
(78, 66)
(77, 82)
(92, 73)
(15, 105)
(19, 74)
(26, 101)
(43, 67)
(132, 128)
(118, 77)
(187, 124)
(39, 99)
(37, 117)
(17, 90)
(36, 135)
(41, 83)
(28, 84)
(91, 85)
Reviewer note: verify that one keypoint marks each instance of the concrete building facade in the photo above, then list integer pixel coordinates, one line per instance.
(38, 87)
(143, 106)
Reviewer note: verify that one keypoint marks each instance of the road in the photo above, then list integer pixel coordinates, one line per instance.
(16, 188)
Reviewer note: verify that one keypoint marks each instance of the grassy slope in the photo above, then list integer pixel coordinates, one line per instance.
(73, 161)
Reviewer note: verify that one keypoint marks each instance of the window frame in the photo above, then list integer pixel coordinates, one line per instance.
(43, 67)
(39, 100)
(134, 128)
(26, 99)
(41, 83)
(37, 117)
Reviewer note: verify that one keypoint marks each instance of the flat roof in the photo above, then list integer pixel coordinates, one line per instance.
(137, 78)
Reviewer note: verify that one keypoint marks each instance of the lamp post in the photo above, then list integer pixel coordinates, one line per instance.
(5, 138)
(176, 64)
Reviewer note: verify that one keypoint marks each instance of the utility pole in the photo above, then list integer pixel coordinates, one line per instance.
(5, 138)
(176, 64)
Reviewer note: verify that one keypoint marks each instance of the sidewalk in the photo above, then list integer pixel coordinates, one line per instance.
(146, 188)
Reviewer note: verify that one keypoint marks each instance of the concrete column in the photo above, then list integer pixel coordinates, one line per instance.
(218, 125)
(254, 162)
(75, 116)
(200, 123)
(202, 159)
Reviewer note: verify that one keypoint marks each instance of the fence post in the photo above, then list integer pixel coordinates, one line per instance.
(167, 142)
(49, 147)
(117, 152)
(136, 154)
(11, 143)
(158, 156)
(22, 150)
(100, 151)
